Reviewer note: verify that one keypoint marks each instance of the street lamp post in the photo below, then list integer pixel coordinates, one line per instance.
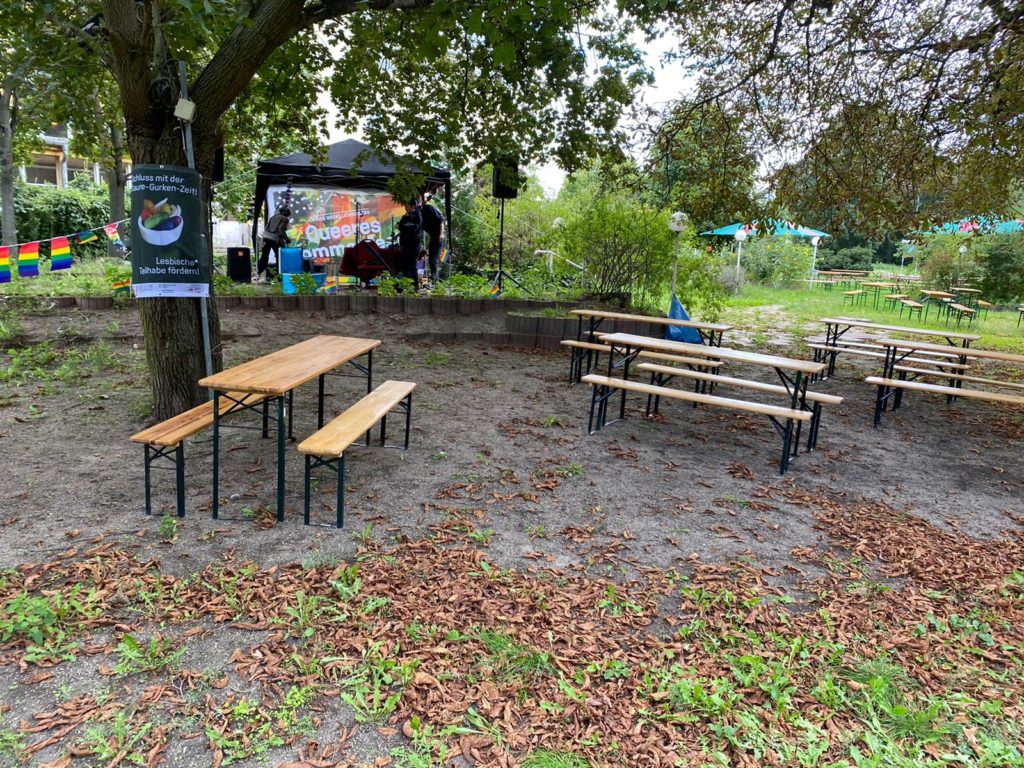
(677, 223)
(814, 260)
(740, 236)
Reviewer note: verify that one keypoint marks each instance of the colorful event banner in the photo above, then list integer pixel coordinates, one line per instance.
(88, 237)
(324, 220)
(28, 259)
(5, 264)
(168, 254)
(60, 254)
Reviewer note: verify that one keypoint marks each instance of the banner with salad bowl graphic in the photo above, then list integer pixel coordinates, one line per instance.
(169, 257)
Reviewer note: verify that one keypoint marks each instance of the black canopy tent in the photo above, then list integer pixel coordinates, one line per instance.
(350, 164)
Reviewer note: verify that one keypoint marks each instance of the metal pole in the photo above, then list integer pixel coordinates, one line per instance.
(675, 265)
(191, 157)
(501, 246)
(814, 261)
(739, 252)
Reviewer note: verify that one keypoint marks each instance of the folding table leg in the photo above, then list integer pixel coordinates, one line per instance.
(787, 437)
(280, 458)
(383, 428)
(215, 507)
(408, 419)
(340, 521)
(179, 461)
(306, 492)
(149, 503)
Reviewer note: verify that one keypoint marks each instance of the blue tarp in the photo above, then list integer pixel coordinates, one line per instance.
(675, 333)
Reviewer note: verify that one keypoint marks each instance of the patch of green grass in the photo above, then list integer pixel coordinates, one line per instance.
(546, 759)
(121, 740)
(12, 745)
(47, 625)
(374, 686)
(507, 659)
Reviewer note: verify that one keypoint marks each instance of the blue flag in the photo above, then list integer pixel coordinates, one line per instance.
(675, 333)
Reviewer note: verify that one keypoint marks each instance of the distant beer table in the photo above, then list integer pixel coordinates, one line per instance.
(276, 376)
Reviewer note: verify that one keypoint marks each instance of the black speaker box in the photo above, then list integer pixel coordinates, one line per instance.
(218, 165)
(240, 264)
(505, 181)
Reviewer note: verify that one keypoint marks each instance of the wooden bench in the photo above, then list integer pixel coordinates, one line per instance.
(856, 297)
(891, 300)
(962, 311)
(984, 306)
(869, 353)
(959, 377)
(577, 348)
(911, 307)
(160, 440)
(826, 284)
(604, 386)
(661, 373)
(875, 346)
(327, 446)
(951, 393)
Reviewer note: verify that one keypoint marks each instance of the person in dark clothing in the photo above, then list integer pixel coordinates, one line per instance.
(410, 240)
(275, 237)
(433, 225)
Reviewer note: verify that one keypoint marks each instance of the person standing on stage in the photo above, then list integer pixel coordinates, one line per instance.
(275, 237)
(410, 240)
(433, 225)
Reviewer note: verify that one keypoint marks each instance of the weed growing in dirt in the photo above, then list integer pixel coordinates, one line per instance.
(43, 362)
(428, 749)
(156, 655)
(120, 740)
(507, 659)
(168, 528)
(615, 604)
(10, 327)
(48, 625)
(12, 745)
(374, 686)
(250, 730)
(347, 584)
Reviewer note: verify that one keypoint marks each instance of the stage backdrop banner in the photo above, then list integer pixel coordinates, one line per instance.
(169, 257)
(324, 220)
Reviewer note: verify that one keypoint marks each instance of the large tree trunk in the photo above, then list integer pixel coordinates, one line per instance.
(172, 327)
(116, 180)
(7, 121)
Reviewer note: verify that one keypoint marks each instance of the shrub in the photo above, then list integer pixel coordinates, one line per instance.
(42, 212)
(776, 260)
(941, 264)
(856, 257)
(1001, 259)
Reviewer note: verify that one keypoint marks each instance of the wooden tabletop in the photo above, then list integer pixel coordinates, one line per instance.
(280, 372)
(966, 290)
(879, 285)
(980, 354)
(898, 329)
(938, 294)
(653, 320)
(717, 353)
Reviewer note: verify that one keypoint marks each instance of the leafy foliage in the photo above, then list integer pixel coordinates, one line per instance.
(43, 212)
(776, 260)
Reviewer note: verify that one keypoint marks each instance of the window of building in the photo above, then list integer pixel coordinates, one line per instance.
(43, 170)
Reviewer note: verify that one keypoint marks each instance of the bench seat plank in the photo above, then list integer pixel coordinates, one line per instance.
(596, 347)
(938, 389)
(333, 438)
(169, 433)
(697, 397)
(960, 377)
(758, 386)
(878, 347)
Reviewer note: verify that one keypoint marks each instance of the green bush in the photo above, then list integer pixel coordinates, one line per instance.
(776, 260)
(942, 265)
(42, 212)
(1001, 259)
(856, 257)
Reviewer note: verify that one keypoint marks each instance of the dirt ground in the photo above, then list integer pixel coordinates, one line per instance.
(499, 434)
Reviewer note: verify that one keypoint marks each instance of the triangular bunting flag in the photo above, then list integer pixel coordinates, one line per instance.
(5, 264)
(86, 237)
(60, 254)
(111, 230)
(28, 260)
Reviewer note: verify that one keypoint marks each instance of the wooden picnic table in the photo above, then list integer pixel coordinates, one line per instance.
(710, 333)
(836, 327)
(877, 288)
(277, 375)
(793, 373)
(899, 349)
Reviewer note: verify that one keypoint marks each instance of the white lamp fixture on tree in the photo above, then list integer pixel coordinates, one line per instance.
(740, 236)
(677, 222)
(814, 260)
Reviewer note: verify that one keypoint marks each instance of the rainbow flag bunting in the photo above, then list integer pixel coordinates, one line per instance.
(86, 237)
(60, 254)
(5, 264)
(111, 230)
(28, 260)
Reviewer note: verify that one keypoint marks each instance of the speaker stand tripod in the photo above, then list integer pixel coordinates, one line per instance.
(501, 275)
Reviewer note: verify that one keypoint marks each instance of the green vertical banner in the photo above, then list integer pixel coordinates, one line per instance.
(169, 257)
